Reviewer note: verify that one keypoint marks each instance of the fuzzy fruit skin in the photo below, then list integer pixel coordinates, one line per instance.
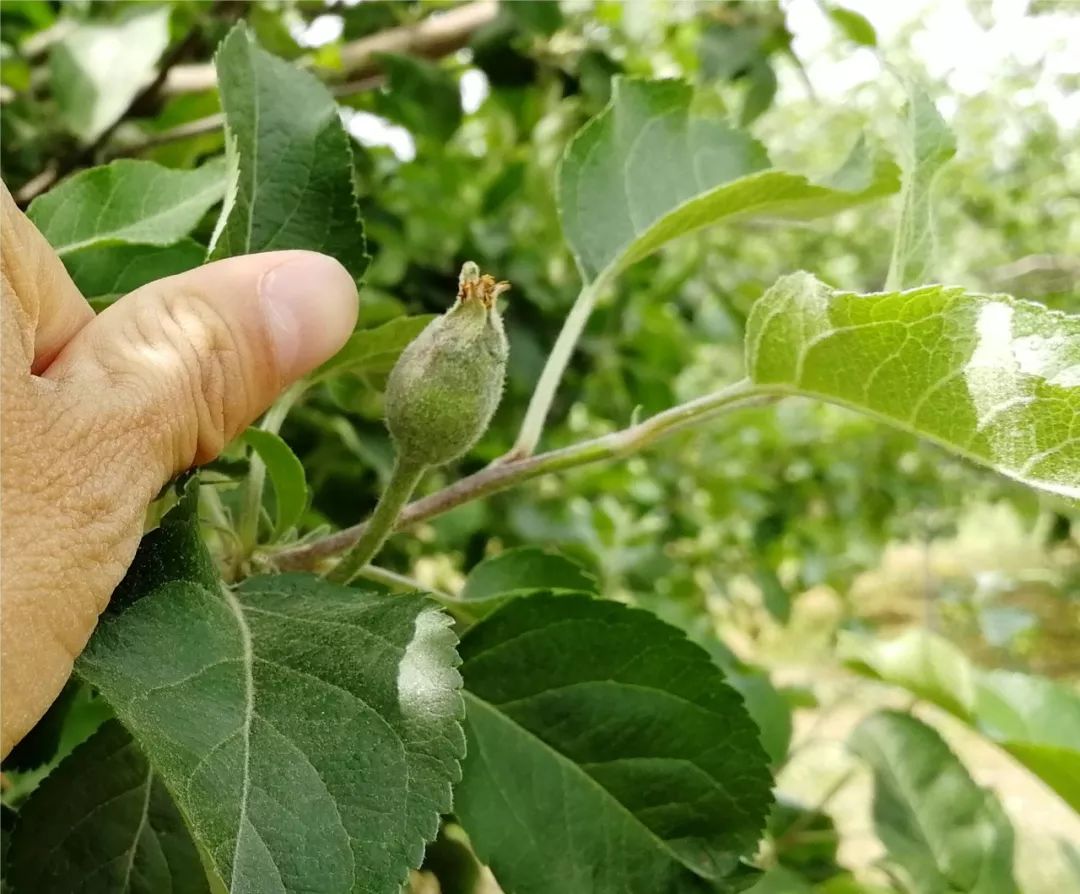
(447, 383)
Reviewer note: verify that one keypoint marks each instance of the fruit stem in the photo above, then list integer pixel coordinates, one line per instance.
(399, 488)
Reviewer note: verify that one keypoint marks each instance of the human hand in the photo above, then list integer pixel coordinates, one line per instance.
(100, 412)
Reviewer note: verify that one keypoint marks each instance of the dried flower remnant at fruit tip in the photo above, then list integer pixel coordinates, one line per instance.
(475, 286)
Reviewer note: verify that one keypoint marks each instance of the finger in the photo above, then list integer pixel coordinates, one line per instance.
(49, 305)
(191, 360)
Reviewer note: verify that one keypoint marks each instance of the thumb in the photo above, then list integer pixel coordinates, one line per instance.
(192, 359)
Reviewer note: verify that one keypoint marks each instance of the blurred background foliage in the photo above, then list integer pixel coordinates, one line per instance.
(775, 531)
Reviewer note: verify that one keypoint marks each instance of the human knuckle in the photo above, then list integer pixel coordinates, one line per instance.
(202, 382)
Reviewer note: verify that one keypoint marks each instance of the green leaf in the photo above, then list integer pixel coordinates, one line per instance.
(780, 880)
(1035, 719)
(767, 706)
(103, 823)
(992, 378)
(941, 831)
(98, 68)
(805, 840)
(293, 187)
(1070, 856)
(69, 721)
(8, 818)
(930, 144)
(286, 474)
(854, 25)
(173, 551)
(774, 594)
(540, 16)
(849, 884)
(525, 570)
(760, 94)
(928, 666)
(451, 859)
(126, 202)
(376, 350)
(727, 52)
(309, 733)
(645, 171)
(769, 710)
(114, 270)
(36, 14)
(605, 753)
(420, 95)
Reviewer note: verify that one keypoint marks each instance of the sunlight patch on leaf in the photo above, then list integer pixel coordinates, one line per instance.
(309, 733)
(990, 377)
(99, 67)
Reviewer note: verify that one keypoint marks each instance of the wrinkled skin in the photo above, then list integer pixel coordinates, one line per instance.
(99, 413)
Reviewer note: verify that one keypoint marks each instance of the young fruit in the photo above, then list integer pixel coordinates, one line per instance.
(446, 385)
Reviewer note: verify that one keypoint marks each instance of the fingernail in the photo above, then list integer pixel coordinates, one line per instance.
(310, 307)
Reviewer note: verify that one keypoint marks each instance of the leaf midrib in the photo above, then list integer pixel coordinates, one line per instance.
(247, 662)
(909, 794)
(118, 236)
(143, 817)
(1022, 474)
(563, 759)
(746, 181)
(90, 813)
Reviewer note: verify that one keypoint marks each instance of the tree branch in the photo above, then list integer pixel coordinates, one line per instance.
(214, 122)
(86, 155)
(37, 184)
(181, 132)
(435, 36)
(500, 477)
(1063, 271)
